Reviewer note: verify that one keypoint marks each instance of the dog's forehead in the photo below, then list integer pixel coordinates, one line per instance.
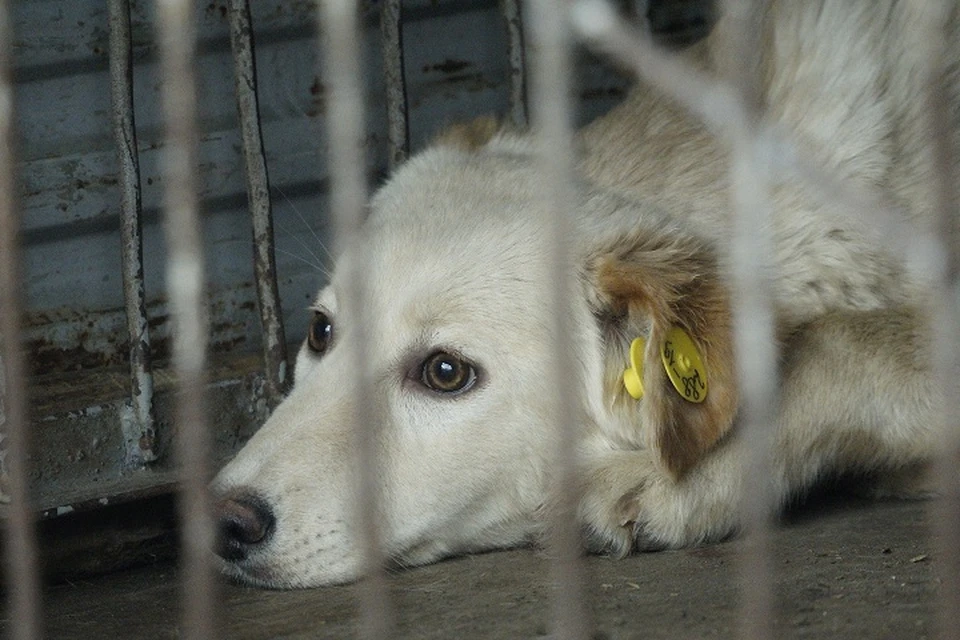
(448, 240)
(418, 273)
(443, 185)
(448, 214)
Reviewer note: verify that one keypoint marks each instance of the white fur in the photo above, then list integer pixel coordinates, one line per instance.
(454, 260)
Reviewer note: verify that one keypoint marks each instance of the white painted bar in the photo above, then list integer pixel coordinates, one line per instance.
(550, 88)
(185, 285)
(341, 55)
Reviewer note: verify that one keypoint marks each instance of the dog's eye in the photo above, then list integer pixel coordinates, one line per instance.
(446, 373)
(320, 334)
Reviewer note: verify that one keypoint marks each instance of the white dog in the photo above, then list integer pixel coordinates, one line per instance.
(461, 328)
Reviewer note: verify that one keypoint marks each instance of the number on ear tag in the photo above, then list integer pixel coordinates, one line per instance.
(684, 366)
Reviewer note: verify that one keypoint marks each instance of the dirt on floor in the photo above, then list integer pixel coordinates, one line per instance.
(845, 570)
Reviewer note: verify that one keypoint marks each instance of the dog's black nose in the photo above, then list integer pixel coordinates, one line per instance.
(244, 521)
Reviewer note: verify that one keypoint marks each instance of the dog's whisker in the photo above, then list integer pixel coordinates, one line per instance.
(306, 247)
(314, 265)
(306, 224)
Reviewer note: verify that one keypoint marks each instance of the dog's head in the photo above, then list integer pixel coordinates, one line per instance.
(457, 331)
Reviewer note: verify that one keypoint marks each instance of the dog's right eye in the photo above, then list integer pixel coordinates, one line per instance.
(320, 334)
(446, 373)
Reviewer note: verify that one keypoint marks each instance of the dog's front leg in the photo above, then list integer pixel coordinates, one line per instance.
(857, 396)
(630, 502)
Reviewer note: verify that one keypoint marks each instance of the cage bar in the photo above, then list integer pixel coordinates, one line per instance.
(513, 20)
(258, 197)
(550, 96)
(186, 291)
(138, 424)
(394, 75)
(341, 51)
(4, 475)
(753, 317)
(931, 41)
(23, 581)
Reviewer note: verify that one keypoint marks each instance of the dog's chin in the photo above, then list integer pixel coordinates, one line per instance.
(264, 576)
(248, 574)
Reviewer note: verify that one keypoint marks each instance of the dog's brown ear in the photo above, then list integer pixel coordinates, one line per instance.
(649, 284)
(469, 136)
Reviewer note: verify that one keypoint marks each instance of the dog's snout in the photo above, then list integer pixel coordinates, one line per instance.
(244, 521)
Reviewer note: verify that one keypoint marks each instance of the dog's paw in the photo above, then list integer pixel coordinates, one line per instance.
(635, 508)
(616, 506)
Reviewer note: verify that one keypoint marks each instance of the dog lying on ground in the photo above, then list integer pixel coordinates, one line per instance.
(460, 329)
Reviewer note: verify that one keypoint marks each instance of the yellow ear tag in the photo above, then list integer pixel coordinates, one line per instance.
(683, 365)
(633, 377)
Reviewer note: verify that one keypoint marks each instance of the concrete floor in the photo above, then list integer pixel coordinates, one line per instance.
(845, 570)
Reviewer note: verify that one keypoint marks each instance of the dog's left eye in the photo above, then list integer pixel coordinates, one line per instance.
(320, 334)
(446, 373)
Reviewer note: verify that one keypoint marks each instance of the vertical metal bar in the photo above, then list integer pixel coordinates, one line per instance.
(513, 20)
(753, 315)
(4, 442)
(186, 292)
(258, 196)
(340, 45)
(21, 555)
(138, 425)
(550, 96)
(932, 42)
(398, 134)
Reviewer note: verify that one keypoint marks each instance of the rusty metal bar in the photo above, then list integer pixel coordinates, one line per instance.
(753, 317)
(4, 443)
(398, 131)
(23, 581)
(339, 34)
(138, 424)
(513, 20)
(550, 97)
(258, 196)
(186, 291)
(931, 40)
